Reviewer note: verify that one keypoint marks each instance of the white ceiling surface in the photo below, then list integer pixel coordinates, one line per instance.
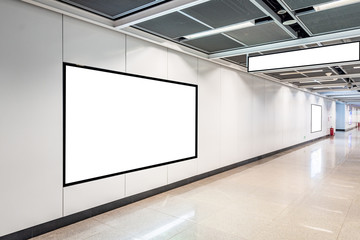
(315, 23)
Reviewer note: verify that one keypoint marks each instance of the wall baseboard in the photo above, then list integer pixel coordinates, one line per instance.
(76, 217)
(345, 130)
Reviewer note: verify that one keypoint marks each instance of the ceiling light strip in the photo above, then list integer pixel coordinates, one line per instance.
(334, 4)
(220, 30)
(303, 72)
(337, 90)
(323, 85)
(354, 75)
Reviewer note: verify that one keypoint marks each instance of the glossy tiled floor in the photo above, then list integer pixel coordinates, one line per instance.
(310, 192)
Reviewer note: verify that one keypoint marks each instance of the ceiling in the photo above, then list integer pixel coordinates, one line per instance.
(235, 29)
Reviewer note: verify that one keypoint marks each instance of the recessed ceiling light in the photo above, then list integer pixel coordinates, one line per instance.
(295, 73)
(281, 11)
(334, 4)
(309, 81)
(356, 67)
(289, 22)
(220, 30)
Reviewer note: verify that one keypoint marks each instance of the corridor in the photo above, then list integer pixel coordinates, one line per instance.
(309, 192)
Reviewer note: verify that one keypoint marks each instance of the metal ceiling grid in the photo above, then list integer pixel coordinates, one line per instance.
(260, 34)
(298, 4)
(213, 43)
(219, 13)
(331, 20)
(356, 39)
(280, 76)
(350, 68)
(176, 20)
(112, 9)
(282, 50)
(173, 25)
(332, 42)
(303, 73)
(312, 73)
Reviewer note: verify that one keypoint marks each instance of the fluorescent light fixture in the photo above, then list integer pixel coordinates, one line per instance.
(304, 72)
(334, 4)
(309, 81)
(306, 57)
(221, 30)
(356, 67)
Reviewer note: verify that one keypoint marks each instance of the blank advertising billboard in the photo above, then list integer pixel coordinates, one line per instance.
(316, 118)
(339, 53)
(116, 123)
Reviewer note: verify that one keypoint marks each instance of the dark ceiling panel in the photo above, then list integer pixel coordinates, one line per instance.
(303, 73)
(298, 4)
(240, 60)
(213, 43)
(336, 19)
(111, 8)
(282, 50)
(349, 69)
(284, 77)
(173, 25)
(260, 34)
(356, 39)
(319, 74)
(219, 13)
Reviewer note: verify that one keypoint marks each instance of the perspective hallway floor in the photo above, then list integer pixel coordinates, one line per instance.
(310, 192)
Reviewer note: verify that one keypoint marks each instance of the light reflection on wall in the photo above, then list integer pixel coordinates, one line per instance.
(316, 162)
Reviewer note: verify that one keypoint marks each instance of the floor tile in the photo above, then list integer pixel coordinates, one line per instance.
(309, 192)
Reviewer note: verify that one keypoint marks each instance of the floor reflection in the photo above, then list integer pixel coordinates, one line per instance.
(309, 192)
(316, 162)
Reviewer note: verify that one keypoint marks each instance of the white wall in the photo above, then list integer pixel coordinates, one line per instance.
(31, 116)
(240, 115)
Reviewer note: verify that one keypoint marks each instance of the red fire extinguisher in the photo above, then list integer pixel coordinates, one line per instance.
(332, 133)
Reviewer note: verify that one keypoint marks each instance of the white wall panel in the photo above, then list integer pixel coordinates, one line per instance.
(91, 194)
(273, 119)
(307, 108)
(91, 45)
(209, 116)
(141, 181)
(230, 99)
(144, 58)
(31, 116)
(181, 170)
(289, 126)
(258, 117)
(301, 117)
(182, 67)
(245, 139)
